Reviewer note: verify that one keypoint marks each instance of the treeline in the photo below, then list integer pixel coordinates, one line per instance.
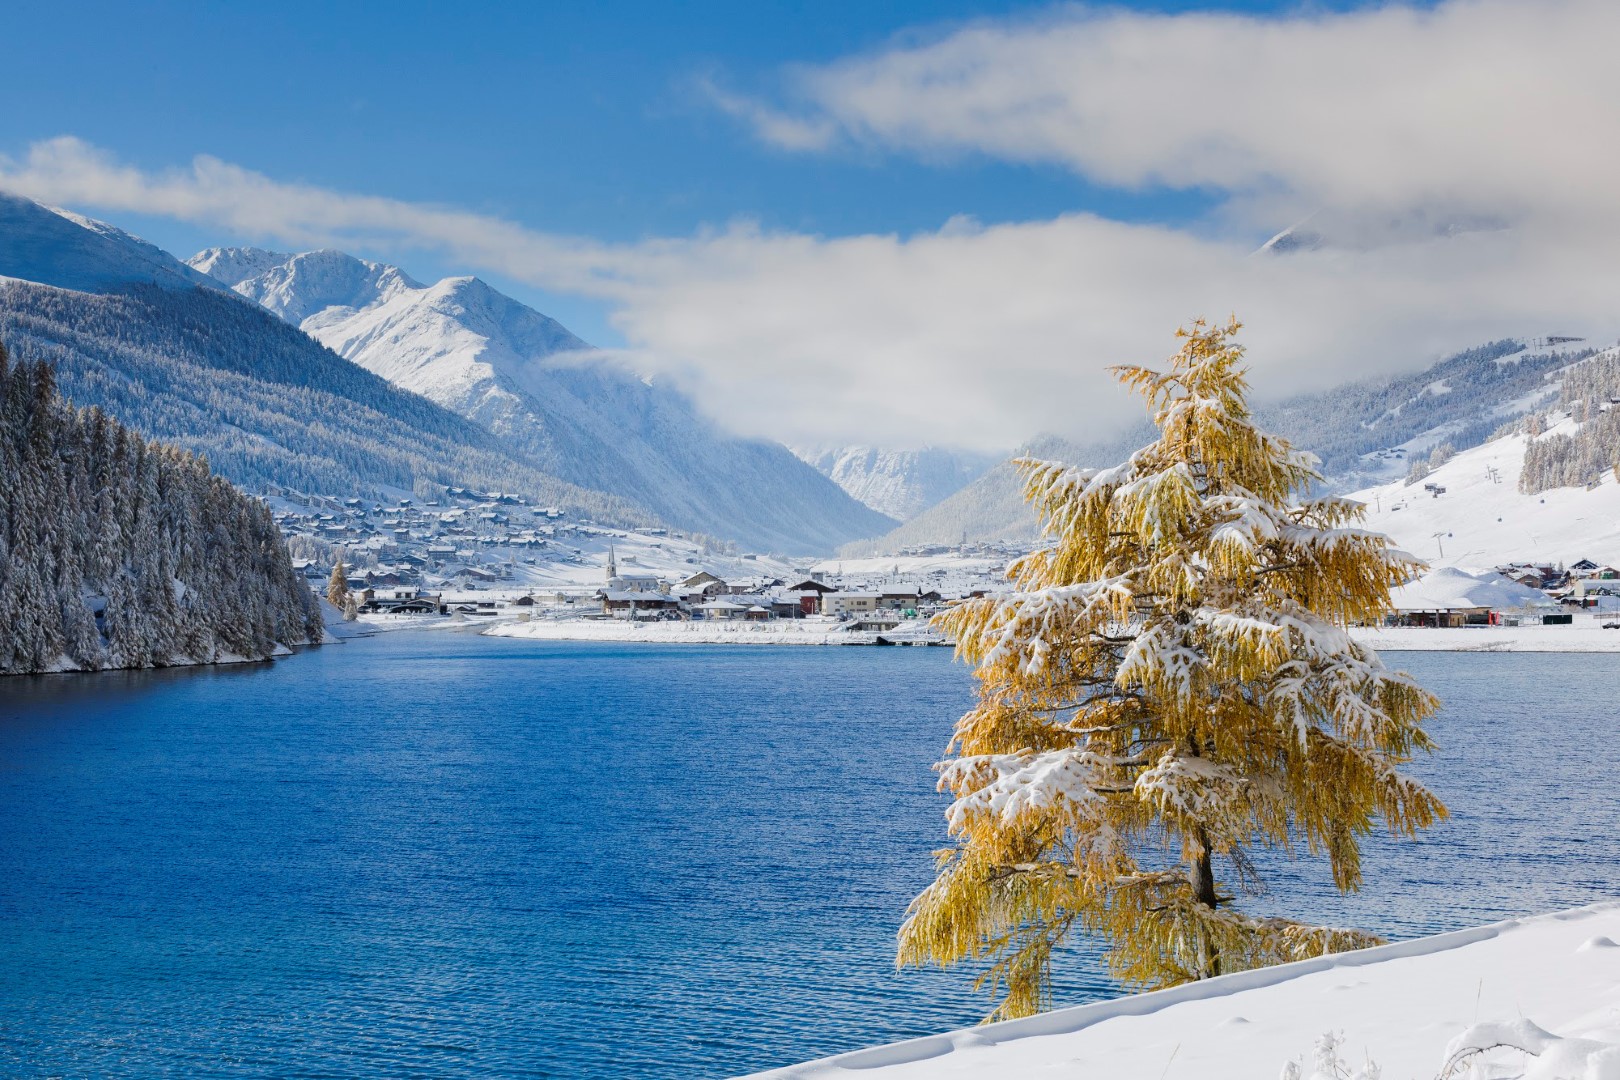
(1581, 458)
(266, 404)
(116, 552)
(1464, 395)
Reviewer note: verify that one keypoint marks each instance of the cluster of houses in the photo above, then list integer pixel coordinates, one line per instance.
(700, 596)
(1560, 582)
(483, 553)
(444, 556)
(704, 595)
(466, 541)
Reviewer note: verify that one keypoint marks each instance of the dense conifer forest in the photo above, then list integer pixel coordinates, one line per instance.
(1589, 394)
(117, 552)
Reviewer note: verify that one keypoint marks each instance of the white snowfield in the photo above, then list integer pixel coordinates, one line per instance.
(1584, 638)
(1536, 998)
(1482, 519)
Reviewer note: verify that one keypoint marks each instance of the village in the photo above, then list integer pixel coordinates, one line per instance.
(492, 555)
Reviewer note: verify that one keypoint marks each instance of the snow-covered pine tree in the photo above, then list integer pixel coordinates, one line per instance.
(337, 588)
(1170, 686)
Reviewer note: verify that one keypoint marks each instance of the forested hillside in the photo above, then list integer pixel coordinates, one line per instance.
(116, 552)
(1462, 400)
(1588, 395)
(177, 356)
(266, 404)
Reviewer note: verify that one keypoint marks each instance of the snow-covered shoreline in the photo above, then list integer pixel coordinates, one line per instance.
(1588, 637)
(1550, 983)
(66, 666)
(1578, 638)
(795, 632)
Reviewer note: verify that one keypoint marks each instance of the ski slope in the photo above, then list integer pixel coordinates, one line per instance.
(1482, 520)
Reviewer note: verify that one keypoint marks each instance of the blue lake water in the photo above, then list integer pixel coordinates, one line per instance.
(448, 856)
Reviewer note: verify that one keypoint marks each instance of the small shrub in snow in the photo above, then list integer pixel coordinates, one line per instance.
(1327, 1064)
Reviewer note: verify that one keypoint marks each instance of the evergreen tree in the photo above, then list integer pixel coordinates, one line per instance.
(1170, 686)
(337, 589)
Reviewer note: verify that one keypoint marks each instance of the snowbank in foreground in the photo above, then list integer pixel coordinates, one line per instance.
(1544, 990)
(796, 632)
(1579, 637)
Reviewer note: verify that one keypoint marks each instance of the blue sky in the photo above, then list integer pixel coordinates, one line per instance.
(580, 119)
(909, 224)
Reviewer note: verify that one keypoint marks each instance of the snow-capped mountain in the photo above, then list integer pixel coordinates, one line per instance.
(575, 411)
(72, 252)
(1353, 231)
(899, 483)
(178, 357)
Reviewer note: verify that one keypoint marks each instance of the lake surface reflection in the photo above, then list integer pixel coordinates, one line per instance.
(449, 856)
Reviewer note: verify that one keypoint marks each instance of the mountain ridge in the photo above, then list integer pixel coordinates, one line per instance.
(191, 363)
(898, 483)
(572, 409)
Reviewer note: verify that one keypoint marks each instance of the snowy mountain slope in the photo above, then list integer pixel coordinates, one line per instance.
(230, 265)
(1482, 519)
(74, 252)
(1363, 432)
(1462, 400)
(899, 483)
(992, 507)
(129, 329)
(573, 410)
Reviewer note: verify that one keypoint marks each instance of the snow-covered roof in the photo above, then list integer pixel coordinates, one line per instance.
(1449, 588)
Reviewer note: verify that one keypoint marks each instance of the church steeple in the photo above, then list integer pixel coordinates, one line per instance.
(613, 563)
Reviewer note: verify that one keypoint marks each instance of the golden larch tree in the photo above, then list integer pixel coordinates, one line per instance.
(337, 586)
(1169, 686)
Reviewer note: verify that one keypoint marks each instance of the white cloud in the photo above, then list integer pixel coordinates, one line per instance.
(1503, 108)
(773, 125)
